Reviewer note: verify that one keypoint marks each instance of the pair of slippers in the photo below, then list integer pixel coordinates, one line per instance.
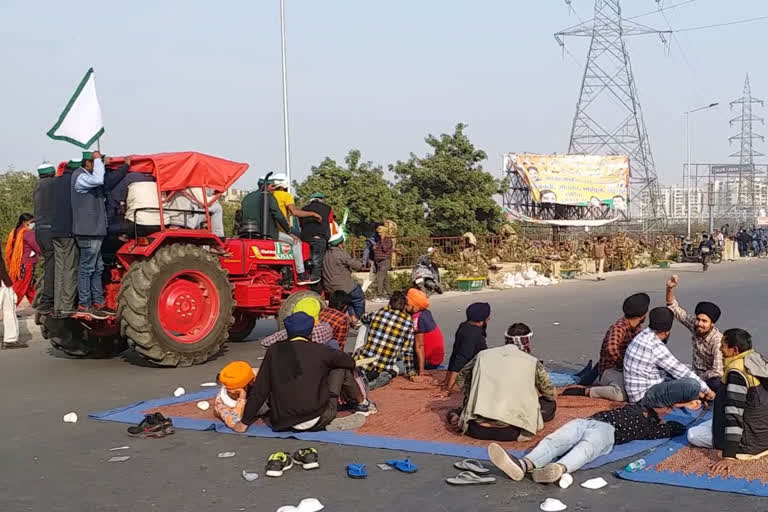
(474, 473)
(357, 471)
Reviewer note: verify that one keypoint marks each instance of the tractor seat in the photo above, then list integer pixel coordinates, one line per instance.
(250, 229)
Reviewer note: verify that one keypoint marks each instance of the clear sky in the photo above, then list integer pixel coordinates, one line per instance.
(177, 75)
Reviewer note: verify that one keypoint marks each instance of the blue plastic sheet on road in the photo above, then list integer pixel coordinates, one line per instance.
(134, 414)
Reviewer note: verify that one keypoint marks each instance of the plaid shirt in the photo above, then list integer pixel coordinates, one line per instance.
(615, 344)
(707, 358)
(648, 362)
(339, 323)
(390, 337)
(321, 333)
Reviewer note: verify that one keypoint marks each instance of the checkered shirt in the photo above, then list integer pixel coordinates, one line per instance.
(339, 323)
(321, 333)
(648, 362)
(390, 337)
(707, 359)
(615, 344)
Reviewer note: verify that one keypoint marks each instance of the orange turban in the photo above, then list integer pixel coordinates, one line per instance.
(236, 375)
(417, 299)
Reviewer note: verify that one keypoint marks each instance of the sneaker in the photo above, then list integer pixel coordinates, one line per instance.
(167, 423)
(97, 314)
(308, 458)
(104, 309)
(366, 409)
(82, 311)
(278, 463)
(150, 426)
(305, 279)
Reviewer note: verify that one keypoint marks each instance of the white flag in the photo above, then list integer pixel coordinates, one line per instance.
(80, 123)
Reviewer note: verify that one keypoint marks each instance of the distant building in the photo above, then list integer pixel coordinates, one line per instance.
(675, 201)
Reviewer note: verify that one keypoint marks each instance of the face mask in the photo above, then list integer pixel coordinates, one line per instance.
(31, 225)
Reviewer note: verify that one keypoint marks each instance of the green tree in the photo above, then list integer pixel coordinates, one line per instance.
(362, 187)
(16, 197)
(451, 181)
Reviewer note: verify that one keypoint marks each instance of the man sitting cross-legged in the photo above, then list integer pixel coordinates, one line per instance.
(581, 441)
(517, 414)
(648, 366)
(739, 426)
(610, 386)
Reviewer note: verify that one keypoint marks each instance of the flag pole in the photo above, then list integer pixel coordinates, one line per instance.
(286, 133)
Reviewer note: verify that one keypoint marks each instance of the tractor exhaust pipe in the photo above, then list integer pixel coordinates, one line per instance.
(265, 206)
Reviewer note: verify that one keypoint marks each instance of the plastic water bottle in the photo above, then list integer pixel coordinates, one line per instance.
(635, 466)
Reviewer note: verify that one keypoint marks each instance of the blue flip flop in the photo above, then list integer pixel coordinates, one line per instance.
(403, 465)
(356, 471)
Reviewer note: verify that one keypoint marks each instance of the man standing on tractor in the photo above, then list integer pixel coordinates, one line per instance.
(286, 203)
(64, 248)
(45, 215)
(317, 233)
(89, 225)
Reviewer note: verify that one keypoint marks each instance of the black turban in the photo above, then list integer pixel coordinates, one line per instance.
(636, 305)
(478, 312)
(661, 319)
(709, 309)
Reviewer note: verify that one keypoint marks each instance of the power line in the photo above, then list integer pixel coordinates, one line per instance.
(691, 29)
(661, 10)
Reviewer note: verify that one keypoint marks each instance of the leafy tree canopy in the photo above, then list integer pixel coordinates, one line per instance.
(451, 181)
(16, 197)
(362, 187)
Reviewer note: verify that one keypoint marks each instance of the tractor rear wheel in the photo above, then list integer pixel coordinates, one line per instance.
(176, 307)
(288, 305)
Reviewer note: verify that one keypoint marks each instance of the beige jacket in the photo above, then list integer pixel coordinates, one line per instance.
(504, 389)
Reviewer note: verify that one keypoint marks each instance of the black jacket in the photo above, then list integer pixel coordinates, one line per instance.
(46, 209)
(253, 211)
(62, 194)
(294, 400)
(311, 227)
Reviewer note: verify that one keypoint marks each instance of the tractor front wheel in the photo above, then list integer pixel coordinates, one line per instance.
(288, 305)
(176, 307)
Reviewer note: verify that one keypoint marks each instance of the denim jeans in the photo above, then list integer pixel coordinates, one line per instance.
(357, 302)
(318, 246)
(577, 443)
(90, 289)
(671, 392)
(380, 381)
(701, 435)
(298, 257)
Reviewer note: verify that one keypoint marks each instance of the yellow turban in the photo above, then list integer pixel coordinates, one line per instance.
(309, 306)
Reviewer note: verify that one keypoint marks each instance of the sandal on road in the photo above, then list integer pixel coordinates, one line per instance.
(356, 471)
(403, 465)
(469, 478)
(472, 465)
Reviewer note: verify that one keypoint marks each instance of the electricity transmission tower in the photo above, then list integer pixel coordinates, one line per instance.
(746, 188)
(609, 119)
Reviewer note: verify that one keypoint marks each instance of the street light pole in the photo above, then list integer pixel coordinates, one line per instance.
(688, 160)
(286, 132)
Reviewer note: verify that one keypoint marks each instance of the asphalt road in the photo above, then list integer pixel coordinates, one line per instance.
(47, 465)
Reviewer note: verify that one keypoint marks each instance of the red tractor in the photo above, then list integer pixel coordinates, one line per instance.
(177, 301)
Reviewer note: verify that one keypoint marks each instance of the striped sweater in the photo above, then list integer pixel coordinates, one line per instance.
(740, 423)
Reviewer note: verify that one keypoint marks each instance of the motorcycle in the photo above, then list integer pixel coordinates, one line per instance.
(693, 255)
(425, 275)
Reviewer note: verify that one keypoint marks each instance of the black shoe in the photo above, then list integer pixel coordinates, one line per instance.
(166, 422)
(584, 370)
(104, 309)
(574, 392)
(278, 463)
(305, 279)
(308, 458)
(46, 309)
(16, 344)
(150, 426)
(590, 377)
